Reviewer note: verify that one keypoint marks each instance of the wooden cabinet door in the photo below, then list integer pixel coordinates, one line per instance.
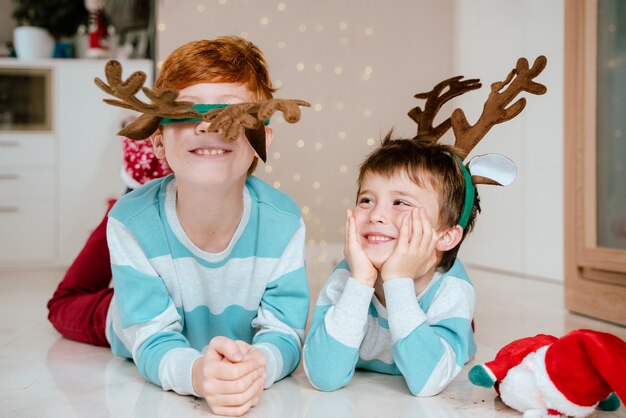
(595, 159)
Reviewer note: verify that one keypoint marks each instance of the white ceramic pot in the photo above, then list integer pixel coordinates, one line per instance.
(32, 42)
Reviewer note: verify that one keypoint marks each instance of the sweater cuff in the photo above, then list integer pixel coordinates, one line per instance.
(346, 321)
(175, 370)
(355, 299)
(403, 310)
(273, 362)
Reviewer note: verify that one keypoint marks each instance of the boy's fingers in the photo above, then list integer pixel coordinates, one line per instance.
(225, 370)
(244, 397)
(224, 347)
(232, 411)
(347, 235)
(415, 225)
(244, 347)
(241, 385)
(416, 228)
(427, 230)
(350, 229)
(403, 240)
(353, 235)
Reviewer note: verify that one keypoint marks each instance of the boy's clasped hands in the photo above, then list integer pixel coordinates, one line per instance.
(413, 256)
(230, 375)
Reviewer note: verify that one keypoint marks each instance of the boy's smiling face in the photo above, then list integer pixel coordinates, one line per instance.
(382, 203)
(202, 157)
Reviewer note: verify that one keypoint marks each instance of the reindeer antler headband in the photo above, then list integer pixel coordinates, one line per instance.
(165, 109)
(492, 169)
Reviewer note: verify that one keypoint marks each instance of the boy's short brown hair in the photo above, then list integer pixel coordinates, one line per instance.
(427, 164)
(227, 59)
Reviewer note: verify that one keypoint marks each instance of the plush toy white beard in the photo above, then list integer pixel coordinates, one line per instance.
(519, 391)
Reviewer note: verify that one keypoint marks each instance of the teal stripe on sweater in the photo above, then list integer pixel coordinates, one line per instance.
(286, 297)
(138, 307)
(117, 346)
(329, 364)
(140, 212)
(152, 351)
(200, 325)
(429, 350)
(378, 366)
(457, 332)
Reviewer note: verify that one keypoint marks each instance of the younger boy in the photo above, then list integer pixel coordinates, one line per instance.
(400, 302)
(210, 294)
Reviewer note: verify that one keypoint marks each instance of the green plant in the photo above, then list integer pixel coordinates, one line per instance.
(59, 17)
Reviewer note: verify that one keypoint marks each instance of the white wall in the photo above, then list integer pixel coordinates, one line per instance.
(521, 227)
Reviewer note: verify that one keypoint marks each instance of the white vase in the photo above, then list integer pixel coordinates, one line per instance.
(32, 42)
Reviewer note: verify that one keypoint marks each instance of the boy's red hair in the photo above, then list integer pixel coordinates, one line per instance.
(227, 59)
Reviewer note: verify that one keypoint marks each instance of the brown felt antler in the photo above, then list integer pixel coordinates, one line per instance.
(230, 120)
(251, 117)
(163, 104)
(495, 110)
(434, 100)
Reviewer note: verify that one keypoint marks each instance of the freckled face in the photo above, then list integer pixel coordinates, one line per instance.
(382, 203)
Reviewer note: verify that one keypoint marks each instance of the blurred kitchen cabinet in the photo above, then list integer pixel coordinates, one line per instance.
(59, 158)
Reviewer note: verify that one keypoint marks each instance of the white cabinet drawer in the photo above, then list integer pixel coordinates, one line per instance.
(27, 184)
(27, 232)
(27, 151)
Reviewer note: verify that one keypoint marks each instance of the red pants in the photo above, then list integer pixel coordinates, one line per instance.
(79, 306)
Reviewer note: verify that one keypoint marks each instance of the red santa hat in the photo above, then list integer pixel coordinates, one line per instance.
(140, 165)
(493, 372)
(582, 369)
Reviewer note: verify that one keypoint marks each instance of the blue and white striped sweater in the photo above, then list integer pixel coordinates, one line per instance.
(171, 298)
(427, 339)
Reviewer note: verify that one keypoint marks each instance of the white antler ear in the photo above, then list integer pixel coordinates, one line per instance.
(495, 167)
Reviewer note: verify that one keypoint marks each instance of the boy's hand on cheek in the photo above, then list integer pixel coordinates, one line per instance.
(229, 376)
(415, 253)
(361, 267)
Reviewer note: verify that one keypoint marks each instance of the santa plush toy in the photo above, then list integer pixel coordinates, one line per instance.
(546, 376)
(98, 35)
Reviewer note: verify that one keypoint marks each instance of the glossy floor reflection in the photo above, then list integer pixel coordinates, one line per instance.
(44, 375)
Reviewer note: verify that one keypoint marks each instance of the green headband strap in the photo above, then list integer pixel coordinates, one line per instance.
(470, 194)
(202, 108)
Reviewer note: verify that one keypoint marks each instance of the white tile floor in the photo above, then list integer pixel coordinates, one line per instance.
(44, 375)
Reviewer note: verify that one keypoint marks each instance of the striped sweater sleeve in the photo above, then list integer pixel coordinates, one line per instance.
(282, 314)
(430, 348)
(145, 318)
(331, 350)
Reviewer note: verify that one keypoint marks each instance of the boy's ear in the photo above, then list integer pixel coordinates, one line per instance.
(269, 135)
(450, 238)
(157, 144)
